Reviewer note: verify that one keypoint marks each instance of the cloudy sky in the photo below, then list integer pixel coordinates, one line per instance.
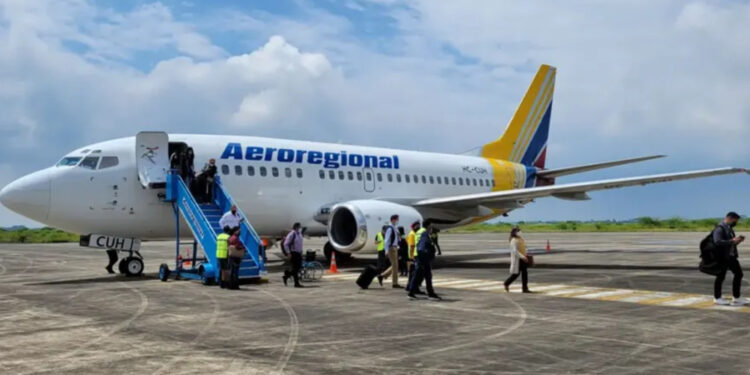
(634, 78)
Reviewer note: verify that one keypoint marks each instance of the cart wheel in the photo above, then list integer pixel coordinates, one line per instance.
(133, 266)
(163, 272)
(205, 280)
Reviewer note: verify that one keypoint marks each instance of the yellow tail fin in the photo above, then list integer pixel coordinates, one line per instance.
(525, 138)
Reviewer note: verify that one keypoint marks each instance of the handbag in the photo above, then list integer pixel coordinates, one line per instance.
(234, 252)
(530, 262)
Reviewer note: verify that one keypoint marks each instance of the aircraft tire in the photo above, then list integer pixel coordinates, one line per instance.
(122, 266)
(133, 266)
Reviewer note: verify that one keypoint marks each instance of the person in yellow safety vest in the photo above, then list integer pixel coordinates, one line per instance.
(411, 240)
(380, 246)
(222, 250)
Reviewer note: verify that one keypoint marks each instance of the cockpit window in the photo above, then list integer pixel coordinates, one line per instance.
(68, 161)
(89, 162)
(108, 161)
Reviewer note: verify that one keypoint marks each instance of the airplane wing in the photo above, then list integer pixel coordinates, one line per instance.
(547, 173)
(574, 191)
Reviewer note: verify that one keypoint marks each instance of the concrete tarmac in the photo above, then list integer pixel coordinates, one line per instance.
(606, 303)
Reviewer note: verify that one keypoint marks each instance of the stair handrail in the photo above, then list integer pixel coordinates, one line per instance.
(224, 201)
(181, 191)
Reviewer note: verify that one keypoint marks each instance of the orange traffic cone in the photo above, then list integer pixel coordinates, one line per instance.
(548, 247)
(334, 268)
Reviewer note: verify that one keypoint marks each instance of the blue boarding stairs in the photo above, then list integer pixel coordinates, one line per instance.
(203, 220)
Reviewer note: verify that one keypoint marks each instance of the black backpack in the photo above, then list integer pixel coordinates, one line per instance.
(709, 263)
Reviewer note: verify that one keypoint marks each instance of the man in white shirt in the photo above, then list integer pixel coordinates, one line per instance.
(392, 238)
(231, 219)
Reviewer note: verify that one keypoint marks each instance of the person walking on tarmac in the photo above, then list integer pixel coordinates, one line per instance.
(726, 250)
(403, 253)
(236, 253)
(518, 261)
(423, 270)
(391, 251)
(411, 264)
(434, 238)
(380, 246)
(293, 244)
(222, 250)
(112, 254)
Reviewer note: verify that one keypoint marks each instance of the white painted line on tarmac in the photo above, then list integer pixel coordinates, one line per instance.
(686, 301)
(567, 291)
(645, 297)
(606, 293)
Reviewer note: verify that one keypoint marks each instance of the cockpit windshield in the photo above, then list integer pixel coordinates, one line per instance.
(69, 161)
(89, 162)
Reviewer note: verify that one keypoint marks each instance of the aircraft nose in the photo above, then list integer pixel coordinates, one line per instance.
(29, 195)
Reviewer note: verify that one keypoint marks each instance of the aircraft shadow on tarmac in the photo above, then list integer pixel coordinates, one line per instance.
(102, 279)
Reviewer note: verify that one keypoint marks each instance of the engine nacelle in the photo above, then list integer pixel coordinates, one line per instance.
(352, 225)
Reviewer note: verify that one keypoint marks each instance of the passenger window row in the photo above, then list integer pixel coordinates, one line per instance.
(407, 178)
(261, 171)
(359, 176)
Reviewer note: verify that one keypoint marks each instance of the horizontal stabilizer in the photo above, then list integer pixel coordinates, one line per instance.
(552, 173)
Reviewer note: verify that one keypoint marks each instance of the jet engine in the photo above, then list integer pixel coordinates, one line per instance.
(352, 225)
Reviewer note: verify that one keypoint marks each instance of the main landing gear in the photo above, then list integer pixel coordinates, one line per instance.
(132, 265)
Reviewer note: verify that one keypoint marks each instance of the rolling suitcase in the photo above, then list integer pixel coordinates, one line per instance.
(365, 278)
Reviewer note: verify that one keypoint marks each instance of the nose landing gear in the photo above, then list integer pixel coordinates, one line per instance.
(132, 265)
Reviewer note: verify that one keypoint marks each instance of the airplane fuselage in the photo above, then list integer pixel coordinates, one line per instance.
(274, 181)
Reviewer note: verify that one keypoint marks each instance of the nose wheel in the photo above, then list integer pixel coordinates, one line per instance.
(132, 265)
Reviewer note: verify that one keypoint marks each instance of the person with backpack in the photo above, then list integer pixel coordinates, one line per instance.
(725, 249)
(293, 244)
(391, 251)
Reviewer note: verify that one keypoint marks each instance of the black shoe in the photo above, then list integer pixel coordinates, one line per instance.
(527, 291)
(380, 280)
(419, 292)
(299, 286)
(507, 288)
(109, 269)
(413, 297)
(434, 297)
(285, 279)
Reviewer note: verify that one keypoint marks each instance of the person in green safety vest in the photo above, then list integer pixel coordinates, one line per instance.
(380, 246)
(222, 250)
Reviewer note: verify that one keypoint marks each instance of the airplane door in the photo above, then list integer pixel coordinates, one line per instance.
(368, 179)
(152, 161)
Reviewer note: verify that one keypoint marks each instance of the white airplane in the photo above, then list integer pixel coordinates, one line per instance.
(344, 192)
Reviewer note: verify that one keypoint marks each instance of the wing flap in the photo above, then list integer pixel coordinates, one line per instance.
(570, 191)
